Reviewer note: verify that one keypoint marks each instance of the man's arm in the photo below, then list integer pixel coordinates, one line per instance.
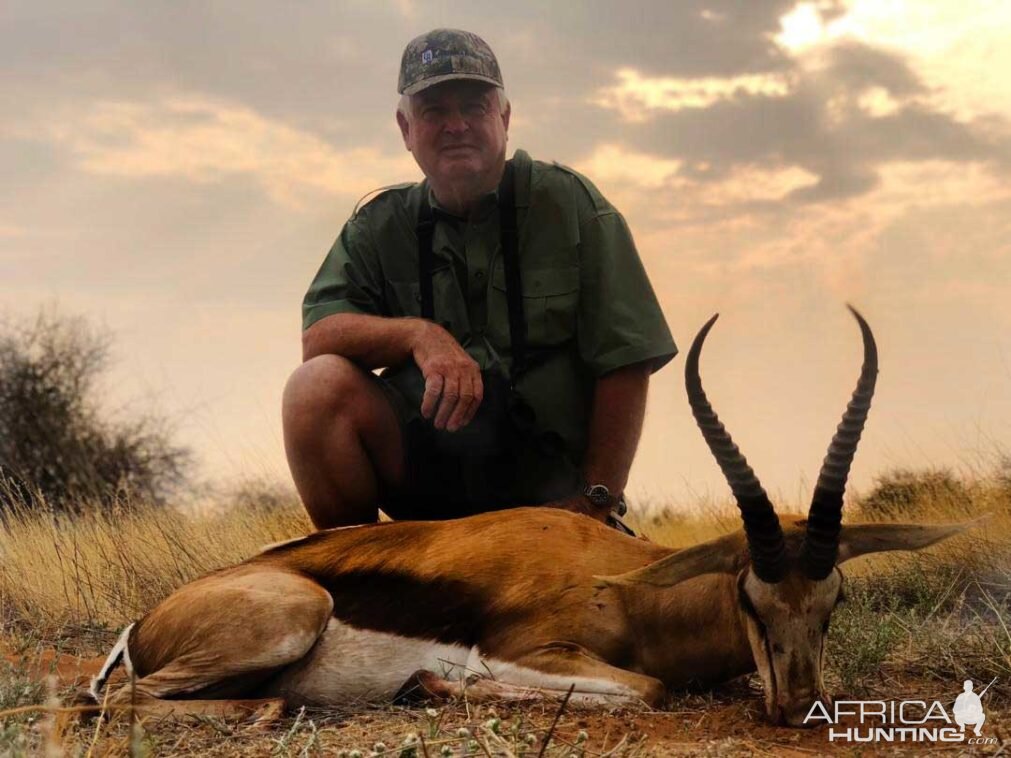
(370, 341)
(453, 387)
(619, 406)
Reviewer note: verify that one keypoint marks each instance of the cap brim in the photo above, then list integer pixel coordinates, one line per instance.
(431, 81)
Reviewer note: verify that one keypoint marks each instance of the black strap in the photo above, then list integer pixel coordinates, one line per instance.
(510, 255)
(511, 259)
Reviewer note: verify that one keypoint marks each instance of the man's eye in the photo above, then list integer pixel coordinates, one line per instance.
(475, 109)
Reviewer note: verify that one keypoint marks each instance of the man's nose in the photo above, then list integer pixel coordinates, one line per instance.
(455, 122)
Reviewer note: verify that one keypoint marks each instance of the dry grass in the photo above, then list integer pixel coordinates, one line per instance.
(102, 570)
(912, 625)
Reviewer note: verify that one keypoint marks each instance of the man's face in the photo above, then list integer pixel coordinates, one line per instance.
(457, 134)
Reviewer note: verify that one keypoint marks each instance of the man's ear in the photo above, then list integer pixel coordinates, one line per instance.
(725, 555)
(863, 539)
(405, 128)
(505, 116)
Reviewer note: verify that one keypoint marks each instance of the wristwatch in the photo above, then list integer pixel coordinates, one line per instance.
(601, 497)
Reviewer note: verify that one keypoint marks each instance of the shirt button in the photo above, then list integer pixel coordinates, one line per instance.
(479, 275)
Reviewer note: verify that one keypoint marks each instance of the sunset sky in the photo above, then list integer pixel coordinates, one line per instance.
(175, 171)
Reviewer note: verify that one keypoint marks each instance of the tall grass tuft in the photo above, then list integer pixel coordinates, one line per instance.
(63, 575)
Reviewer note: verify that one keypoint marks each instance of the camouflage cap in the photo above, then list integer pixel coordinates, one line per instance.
(444, 54)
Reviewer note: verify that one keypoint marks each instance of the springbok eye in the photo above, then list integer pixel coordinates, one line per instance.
(749, 609)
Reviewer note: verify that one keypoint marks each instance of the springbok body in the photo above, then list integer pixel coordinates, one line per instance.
(522, 601)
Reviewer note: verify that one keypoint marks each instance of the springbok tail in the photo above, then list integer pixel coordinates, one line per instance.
(119, 652)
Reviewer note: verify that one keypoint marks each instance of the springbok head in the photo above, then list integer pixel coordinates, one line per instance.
(788, 582)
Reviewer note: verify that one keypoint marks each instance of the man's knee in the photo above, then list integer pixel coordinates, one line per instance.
(329, 390)
(322, 387)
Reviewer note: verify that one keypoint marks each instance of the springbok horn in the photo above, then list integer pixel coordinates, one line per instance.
(761, 525)
(821, 542)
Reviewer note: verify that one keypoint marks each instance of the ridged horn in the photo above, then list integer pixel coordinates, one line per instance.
(761, 525)
(821, 542)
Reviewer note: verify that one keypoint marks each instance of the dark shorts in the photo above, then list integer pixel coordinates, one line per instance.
(500, 460)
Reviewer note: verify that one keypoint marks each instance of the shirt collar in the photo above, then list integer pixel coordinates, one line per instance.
(484, 208)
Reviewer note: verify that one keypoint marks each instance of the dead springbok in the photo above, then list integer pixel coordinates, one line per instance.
(527, 600)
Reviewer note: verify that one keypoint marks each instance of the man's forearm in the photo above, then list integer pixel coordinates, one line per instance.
(370, 341)
(619, 405)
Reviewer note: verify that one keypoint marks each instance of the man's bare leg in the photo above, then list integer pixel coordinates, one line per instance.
(342, 439)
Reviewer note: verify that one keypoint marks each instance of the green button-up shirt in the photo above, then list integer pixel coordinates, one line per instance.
(587, 301)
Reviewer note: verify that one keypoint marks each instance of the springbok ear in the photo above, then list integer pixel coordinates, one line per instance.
(861, 539)
(725, 555)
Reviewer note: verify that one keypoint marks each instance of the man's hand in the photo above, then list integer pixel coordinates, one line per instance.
(579, 504)
(453, 386)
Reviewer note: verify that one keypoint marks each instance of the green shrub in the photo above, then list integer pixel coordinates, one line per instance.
(862, 635)
(57, 445)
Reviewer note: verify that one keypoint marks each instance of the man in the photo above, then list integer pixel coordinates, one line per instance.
(969, 709)
(506, 301)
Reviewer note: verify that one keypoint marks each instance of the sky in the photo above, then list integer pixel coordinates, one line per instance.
(176, 171)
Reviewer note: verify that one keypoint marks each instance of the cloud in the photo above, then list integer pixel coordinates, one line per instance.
(617, 165)
(204, 141)
(913, 222)
(636, 95)
(845, 110)
(661, 188)
(854, 67)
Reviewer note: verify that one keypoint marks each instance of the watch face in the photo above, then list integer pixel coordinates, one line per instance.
(598, 494)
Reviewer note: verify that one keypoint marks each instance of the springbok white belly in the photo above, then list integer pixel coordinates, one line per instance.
(348, 664)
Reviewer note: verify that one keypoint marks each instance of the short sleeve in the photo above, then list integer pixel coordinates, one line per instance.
(620, 321)
(349, 280)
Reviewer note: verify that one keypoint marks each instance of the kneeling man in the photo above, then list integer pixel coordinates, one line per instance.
(508, 307)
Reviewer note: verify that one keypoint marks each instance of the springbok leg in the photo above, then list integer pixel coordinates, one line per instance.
(425, 685)
(556, 667)
(548, 672)
(223, 636)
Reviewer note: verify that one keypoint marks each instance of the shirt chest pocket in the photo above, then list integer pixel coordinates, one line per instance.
(550, 301)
